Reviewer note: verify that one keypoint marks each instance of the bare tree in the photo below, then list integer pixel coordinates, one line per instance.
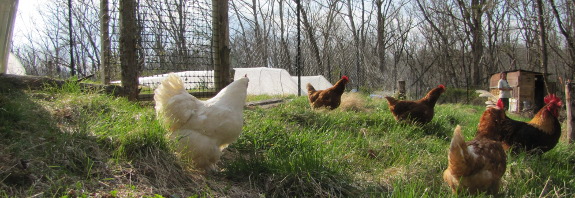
(542, 41)
(566, 29)
(355, 34)
(442, 39)
(284, 56)
(327, 32)
(310, 32)
(472, 18)
(381, 23)
(105, 49)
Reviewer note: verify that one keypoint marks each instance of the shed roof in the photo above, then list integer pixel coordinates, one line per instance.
(521, 70)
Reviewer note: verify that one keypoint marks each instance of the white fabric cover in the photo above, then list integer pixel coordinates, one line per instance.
(318, 82)
(15, 66)
(268, 81)
(190, 78)
(263, 81)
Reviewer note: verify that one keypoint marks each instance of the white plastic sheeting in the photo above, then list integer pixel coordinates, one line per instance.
(192, 79)
(15, 66)
(318, 82)
(268, 81)
(263, 81)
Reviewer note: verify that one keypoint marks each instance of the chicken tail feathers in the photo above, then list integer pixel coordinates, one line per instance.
(170, 87)
(310, 89)
(391, 101)
(491, 99)
(173, 102)
(459, 156)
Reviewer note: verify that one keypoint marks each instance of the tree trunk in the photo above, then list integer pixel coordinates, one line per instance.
(570, 107)
(472, 16)
(285, 58)
(477, 39)
(543, 42)
(105, 47)
(71, 36)
(568, 35)
(380, 32)
(128, 54)
(357, 44)
(310, 33)
(221, 42)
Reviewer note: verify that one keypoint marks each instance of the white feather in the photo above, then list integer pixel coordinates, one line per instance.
(491, 99)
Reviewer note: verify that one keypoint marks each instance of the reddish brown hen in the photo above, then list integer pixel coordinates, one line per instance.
(490, 123)
(421, 111)
(539, 135)
(329, 98)
(475, 166)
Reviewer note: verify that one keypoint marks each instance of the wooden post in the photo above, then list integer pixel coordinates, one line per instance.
(569, 96)
(105, 47)
(401, 89)
(51, 70)
(221, 42)
(128, 45)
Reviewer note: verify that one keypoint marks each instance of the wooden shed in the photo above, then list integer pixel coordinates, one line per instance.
(528, 89)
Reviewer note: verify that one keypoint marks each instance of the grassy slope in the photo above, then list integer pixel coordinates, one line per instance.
(64, 142)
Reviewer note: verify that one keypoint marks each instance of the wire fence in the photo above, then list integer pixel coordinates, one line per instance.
(174, 37)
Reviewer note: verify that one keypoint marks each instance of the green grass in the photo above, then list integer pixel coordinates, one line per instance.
(88, 144)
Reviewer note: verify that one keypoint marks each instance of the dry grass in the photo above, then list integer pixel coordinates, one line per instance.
(353, 102)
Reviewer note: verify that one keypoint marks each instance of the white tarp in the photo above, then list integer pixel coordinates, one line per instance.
(268, 81)
(192, 79)
(263, 81)
(318, 82)
(15, 66)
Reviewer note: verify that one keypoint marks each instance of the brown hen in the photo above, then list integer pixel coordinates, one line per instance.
(329, 98)
(421, 111)
(475, 166)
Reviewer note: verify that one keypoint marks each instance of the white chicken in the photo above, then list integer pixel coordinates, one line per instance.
(202, 128)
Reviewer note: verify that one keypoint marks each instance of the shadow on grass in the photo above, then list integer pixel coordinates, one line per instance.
(49, 151)
(36, 154)
(296, 181)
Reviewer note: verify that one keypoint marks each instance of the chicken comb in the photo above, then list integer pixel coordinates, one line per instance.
(500, 104)
(552, 98)
(345, 77)
(441, 86)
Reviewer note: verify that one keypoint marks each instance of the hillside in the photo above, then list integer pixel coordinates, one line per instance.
(65, 142)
